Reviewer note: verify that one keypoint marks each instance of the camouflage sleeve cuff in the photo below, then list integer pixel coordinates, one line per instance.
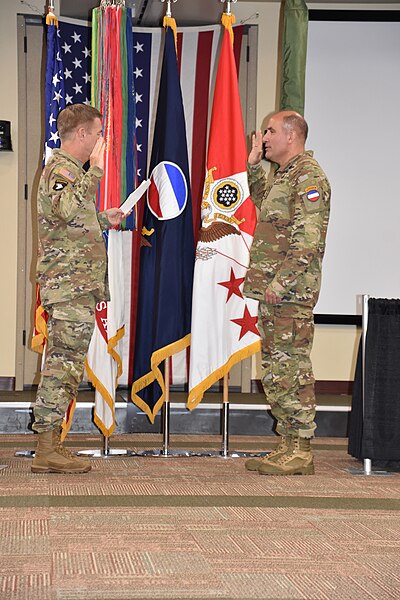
(255, 172)
(277, 288)
(96, 171)
(103, 220)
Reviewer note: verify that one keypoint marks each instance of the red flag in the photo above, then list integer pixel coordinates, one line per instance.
(224, 323)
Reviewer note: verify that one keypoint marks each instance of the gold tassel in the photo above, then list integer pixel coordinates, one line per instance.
(227, 21)
(170, 22)
(51, 19)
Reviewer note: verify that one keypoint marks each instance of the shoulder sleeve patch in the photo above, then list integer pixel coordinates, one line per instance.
(312, 194)
(59, 184)
(313, 199)
(67, 174)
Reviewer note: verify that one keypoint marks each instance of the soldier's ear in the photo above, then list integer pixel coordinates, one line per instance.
(81, 133)
(292, 136)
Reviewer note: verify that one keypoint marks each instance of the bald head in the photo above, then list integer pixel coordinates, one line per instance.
(293, 121)
(285, 136)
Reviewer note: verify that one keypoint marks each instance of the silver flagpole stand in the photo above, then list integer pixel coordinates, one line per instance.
(106, 451)
(166, 451)
(25, 453)
(225, 452)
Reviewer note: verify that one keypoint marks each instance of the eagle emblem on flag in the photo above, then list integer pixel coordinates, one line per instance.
(221, 200)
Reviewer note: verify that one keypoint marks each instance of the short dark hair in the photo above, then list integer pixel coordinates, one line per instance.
(297, 122)
(75, 115)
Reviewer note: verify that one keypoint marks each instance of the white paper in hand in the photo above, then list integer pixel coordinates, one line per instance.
(135, 196)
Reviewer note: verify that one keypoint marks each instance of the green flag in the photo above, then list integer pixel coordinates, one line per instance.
(294, 51)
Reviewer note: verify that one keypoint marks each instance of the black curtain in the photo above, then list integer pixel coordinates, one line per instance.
(374, 429)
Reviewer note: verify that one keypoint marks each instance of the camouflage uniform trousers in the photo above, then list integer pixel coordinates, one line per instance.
(287, 332)
(70, 327)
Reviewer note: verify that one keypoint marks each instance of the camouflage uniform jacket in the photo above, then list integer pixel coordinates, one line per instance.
(289, 241)
(72, 258)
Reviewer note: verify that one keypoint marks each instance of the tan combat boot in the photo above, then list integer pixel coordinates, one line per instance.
(254, 463)
(52, 457)
(298, 460)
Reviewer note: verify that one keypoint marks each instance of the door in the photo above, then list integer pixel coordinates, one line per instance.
(31, 68)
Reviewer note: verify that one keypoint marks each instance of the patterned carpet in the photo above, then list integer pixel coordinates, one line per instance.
(197, 527)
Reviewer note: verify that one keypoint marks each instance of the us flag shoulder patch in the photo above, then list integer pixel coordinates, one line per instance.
(67, 174)
(312, 194)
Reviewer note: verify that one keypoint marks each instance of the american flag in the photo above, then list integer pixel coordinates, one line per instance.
(75, 43)
(68, 74)
(54, 90)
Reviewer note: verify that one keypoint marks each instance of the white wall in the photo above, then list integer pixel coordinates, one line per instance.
(354, 132)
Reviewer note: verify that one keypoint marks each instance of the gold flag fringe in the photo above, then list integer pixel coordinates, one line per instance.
(170, 22)
(40, 338)
(51, 19)
(112, 342)
(106, 396)
(197, 393)
(97, 384)
(155, 374)
(227, 21)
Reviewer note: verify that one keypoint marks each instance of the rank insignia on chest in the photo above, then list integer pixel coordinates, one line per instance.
(312, 194)
(59, 185)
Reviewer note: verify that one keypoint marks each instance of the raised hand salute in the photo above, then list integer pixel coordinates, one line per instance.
(256, 152)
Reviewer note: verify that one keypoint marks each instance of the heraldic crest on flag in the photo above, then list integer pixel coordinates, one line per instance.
(222, 198)
(224, 323)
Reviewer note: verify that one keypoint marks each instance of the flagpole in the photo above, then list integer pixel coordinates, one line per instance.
(225, 417)
(166, 410)
(228, 5)
(168, 12)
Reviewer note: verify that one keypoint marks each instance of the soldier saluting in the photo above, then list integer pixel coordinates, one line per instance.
(285, 276)
(72, 274)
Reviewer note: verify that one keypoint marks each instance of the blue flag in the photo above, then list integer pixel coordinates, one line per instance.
(54, 90)
(166, 267)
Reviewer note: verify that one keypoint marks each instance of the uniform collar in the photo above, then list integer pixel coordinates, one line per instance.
(60, 152)
(294, 161)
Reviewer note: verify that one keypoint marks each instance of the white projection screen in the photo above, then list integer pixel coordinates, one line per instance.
(352, 105)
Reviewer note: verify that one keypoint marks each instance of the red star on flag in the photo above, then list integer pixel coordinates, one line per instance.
(247, 323)
(233, 285)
